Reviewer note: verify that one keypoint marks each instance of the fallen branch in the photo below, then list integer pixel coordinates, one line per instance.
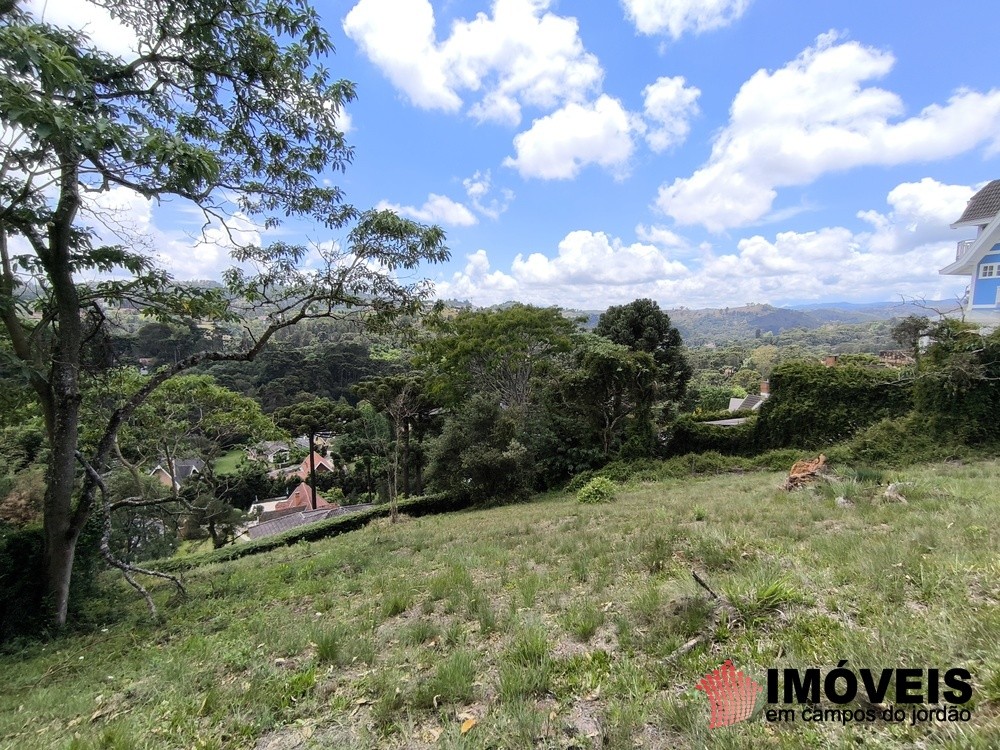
(720, 605)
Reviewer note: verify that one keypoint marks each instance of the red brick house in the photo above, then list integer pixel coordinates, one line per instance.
(301, 498)
(323, 465)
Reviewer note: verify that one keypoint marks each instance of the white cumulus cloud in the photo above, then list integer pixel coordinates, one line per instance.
(437, 209)
(559, 145)
(520, 54)
(813, 116)
(677, 17)
(585, 257)
(897, 255)
(399, 39)
(669, 106)
(479, 187)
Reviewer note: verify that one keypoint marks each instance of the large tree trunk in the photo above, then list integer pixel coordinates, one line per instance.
(312, 466)
(406, 457)
(62, 400)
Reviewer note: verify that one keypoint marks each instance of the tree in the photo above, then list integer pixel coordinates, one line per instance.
(643, 327)
(747, 379)
(615, 388)
(310, 417)
(908, 332)
(226, 107)
(495, 352)
(479, 456)
(404, 400)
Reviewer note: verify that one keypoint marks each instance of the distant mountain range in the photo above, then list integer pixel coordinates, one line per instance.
(749, 321)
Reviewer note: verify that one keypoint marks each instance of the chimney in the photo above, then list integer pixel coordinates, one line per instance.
(765, 387)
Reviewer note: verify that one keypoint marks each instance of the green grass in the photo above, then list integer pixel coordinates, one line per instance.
(554, 624)
(230, 462)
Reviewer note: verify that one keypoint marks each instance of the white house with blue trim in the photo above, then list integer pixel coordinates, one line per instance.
(979, 258)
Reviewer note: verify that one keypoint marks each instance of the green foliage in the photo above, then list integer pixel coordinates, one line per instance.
(958, 384)
(310, 416)
(688, 435)
(613, 389)
(478, 455)
(711, 399)
(140, 533)
(237, 118)
(812, 405)
(496, 353)
(747, 379)
(903, 441)
(22, 590)
(908, 332)
(643, 327)
(597, 490)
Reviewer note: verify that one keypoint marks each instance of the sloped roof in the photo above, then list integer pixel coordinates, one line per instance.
(277, 525)
(302, 496)
(982, 207)
(183, 468)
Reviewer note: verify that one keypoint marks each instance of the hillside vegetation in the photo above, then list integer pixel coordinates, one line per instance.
(553, 624)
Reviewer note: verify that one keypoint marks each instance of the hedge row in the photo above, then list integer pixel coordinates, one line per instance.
(416, 506)
(810, 406)
(691, 436)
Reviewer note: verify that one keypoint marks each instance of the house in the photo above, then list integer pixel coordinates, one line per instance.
(300, 517)
(301, 499)
(183, 470)
(270, 450)
(323, 465)
(752, 402)
(979, 258)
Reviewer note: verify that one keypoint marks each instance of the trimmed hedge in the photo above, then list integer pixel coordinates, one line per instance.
(693, 436)
(416, 506)
(812, 405)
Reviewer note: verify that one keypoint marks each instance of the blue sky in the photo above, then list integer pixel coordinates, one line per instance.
(700, 152)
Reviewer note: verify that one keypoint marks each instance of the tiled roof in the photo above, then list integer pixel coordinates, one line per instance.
(277, 525)
(983, 207)
(302, 496)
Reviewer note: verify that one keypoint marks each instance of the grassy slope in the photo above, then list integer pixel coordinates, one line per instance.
(229, 463)
(548, 623)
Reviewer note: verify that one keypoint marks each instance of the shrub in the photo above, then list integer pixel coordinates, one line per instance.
(597, 490)
(691, 436)
(905, 440)
(22, 578)
(812, 406)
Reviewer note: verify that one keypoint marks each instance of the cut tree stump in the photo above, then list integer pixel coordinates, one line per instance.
(804, 472)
